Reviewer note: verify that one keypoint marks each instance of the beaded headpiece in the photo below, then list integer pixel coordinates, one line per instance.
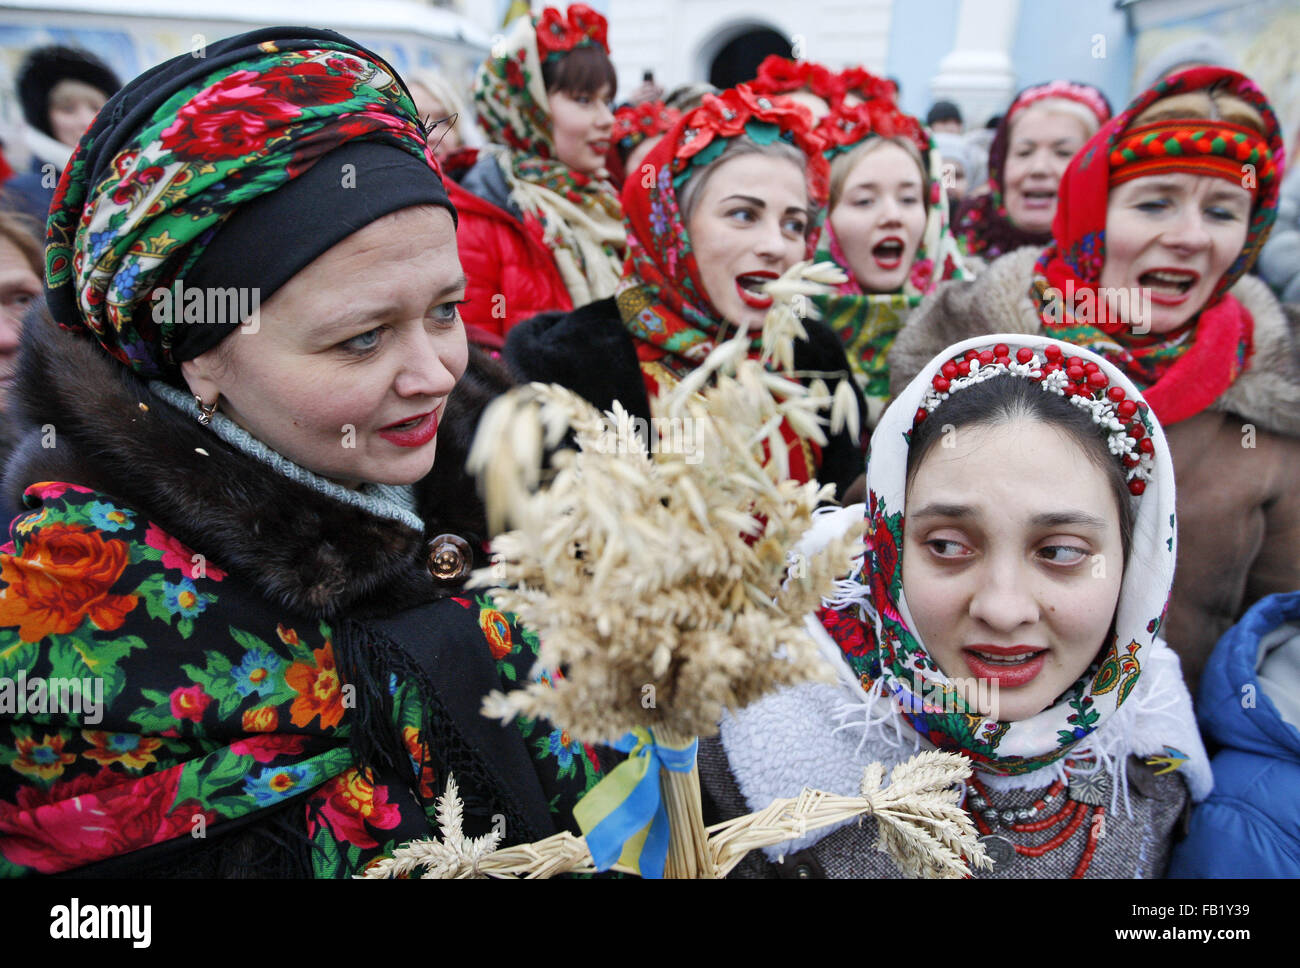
(1124, 422)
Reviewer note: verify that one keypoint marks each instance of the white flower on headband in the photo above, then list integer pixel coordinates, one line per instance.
(1083, 383)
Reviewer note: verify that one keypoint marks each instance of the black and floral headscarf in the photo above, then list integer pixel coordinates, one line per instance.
(183, 177)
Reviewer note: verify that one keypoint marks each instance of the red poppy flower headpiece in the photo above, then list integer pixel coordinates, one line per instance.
(556, 36)
(780, 75)
(868, 86)
(848, 126)
(704, 132)
(633, 123)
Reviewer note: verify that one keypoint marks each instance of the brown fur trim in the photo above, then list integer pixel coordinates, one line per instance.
(303, 549)
(1267, 394)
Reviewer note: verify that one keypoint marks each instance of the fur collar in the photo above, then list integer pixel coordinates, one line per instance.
(1267, 394)
(79, 416)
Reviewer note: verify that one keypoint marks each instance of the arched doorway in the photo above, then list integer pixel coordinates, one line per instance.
(738, 59)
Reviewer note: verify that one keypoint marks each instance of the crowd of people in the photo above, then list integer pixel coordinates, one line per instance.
(1078, 378)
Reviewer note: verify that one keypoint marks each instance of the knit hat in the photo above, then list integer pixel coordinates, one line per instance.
(45, 67)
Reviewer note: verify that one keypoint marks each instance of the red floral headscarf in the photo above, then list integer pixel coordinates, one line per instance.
(1184, 371)
(662, 299)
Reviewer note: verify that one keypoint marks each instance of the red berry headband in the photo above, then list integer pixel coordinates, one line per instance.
(1124, 422)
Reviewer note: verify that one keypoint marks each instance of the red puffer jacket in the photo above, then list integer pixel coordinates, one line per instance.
(512, 275)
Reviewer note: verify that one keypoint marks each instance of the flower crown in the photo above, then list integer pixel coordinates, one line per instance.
(866, 85)
(634, 123)
(740, 110)
(556, 36)
(1125, 422)
(780, 75)
(846, 127)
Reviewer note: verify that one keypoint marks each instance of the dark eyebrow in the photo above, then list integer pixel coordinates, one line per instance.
(936, 510)
(1227, 194)
(1055, 519)
(747, 198)
(1048, 519)
(875, 186)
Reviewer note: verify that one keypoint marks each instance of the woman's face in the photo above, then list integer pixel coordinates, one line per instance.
(445, 137)
(880, 218)
(1175, 235)
(73, 105)
(583, 125)
(19, 288)
(349, 371)
(1012, 561)
(748, 227)
(1040, 147)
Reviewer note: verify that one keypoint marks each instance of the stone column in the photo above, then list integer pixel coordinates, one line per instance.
(978, 75)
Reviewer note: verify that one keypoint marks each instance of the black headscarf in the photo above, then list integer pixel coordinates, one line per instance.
(230, 171)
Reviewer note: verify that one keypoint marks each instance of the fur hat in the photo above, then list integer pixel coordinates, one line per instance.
(44, 67)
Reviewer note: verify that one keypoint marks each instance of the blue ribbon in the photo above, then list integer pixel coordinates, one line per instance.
(630, 807)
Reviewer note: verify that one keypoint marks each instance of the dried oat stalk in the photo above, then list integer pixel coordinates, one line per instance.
(660, 581)
(922, 828)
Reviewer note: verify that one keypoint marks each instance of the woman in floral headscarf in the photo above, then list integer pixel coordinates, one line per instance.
(239, 552)
(1162, 214)
(887, 227)
(738, 184)
(1036, 138)
(541, 226)
(1008, 607)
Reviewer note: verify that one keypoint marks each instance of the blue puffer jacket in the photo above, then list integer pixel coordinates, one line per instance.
(1249, 705)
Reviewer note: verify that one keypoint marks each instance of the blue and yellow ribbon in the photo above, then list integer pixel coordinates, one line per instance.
(623, 817)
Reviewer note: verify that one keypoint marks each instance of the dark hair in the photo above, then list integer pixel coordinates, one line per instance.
(943, 111)
(581, 71)
(1006, 397)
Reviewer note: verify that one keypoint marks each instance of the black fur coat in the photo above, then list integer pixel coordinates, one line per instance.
(78, 416)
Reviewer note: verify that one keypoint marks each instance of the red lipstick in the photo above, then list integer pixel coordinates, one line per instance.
(747, 285)
(1010, 666)
(412, 434)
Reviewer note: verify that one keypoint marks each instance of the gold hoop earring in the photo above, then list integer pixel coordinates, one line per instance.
(205, 410)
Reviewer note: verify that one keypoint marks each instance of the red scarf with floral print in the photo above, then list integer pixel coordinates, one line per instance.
(1184, 371)
(661, 298)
